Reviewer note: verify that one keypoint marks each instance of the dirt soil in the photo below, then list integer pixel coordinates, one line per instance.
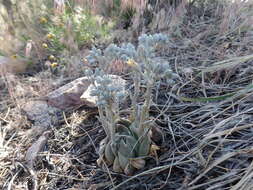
(206, 116)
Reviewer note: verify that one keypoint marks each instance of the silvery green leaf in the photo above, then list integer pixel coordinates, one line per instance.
(160, 38)
(141, 51)
(144, 146)
(106, 81)
(123, 159)
(124, 57)
(130, 46)
(102, 102)
(98, 72)
(174, 75)
(96, 51)
(112, 51)
(120, 95)
(99, 79)
(94, 92)
(142, 38)
(112, 88)
(91, 59)
(170, 82)
(88, 72)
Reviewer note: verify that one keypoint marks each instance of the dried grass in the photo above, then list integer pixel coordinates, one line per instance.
(99, 7)
(208, 141)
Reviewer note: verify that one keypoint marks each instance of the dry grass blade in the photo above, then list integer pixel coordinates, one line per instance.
(33, 151)
(217, 182)
(246, 179)
(226, 132)
(226, 64)
(216, 163)
(4, 145)
(205, 114)
(151, 171)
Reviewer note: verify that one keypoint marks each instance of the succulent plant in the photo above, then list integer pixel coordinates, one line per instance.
(127, 142)
(127, 150)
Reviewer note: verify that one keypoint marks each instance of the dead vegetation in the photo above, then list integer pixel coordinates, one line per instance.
(206, 117)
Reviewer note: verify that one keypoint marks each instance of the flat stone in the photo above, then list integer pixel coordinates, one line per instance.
(117, 80)
(68, 96)
(38, 112)
(77, 93)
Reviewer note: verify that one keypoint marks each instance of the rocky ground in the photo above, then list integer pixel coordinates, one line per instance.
(49, 136)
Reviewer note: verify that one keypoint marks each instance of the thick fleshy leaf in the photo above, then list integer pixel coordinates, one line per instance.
(122, 129)
(130, 140)
(134, 130)
(144, 146)
(125, 149)
(109, 155)
(123, 161)
(116, 165)
(138, 163)
(114, 148)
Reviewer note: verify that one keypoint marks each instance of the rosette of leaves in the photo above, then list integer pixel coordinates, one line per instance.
(127, 149)
(128, 142)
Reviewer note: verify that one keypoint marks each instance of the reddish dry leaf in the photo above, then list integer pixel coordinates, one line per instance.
(33, 151)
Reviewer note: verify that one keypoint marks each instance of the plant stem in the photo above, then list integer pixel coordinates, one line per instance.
(136, 92)
(110, 116)
(146, 106)
(103, 122)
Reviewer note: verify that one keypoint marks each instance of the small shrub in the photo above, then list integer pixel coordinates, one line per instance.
(52, 29)
(128, 141)
(73, 29)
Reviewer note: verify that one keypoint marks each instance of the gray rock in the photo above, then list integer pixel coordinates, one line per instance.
(68, 96)
(117, 80)
(77, 93)
(38, 112)
(41, 114)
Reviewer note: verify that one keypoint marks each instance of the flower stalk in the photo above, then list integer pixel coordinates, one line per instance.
(127, 142)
